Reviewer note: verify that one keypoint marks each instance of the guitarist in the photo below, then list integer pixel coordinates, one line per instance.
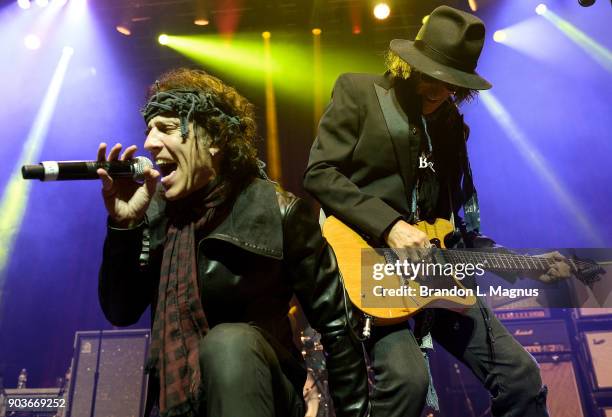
(391, 150)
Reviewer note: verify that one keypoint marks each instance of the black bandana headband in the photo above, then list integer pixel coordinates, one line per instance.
(188, 103)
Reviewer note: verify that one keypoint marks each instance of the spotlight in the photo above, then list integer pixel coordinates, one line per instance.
(266, 35)
(124, 30)
(68, 50)
(356, 29)
(500, 36)
(32, 42)
(201, 13)
(163, 39)
(316, 31)
(24, 4)
(42, 3)
(382, 11)
(473, 5)
(541, 9)
(586, 3)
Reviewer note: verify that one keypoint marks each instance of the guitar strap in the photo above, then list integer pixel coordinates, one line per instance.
(471, 209)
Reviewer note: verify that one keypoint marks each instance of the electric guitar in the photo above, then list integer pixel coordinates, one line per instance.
(395, 297)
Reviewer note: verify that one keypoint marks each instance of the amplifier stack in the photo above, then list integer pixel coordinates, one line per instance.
(594, 329)
(550, 343)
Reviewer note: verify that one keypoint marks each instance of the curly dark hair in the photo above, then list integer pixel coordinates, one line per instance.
(239, 162)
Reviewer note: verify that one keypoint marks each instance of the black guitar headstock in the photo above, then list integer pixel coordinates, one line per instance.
(587, 270)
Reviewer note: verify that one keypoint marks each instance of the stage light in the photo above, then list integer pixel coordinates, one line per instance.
(163, 39)
(541, 9)
(68, 51)
(124, 30)
(536, 160)
(500, 36)
(272, 142)
(356, 30)
(596, 50)
(201, 13)
(42, 3)
(316, 31)
(473, 5)
(382, 11)
(24, 4)
(14, 196)
(586, 3)
(425, 19)
(32, 42)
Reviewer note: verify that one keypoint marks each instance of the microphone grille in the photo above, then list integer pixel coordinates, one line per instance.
(140, 163)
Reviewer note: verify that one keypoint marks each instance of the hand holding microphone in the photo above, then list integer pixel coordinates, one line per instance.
(125, 199)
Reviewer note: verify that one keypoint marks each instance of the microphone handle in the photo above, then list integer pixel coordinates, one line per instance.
(77, 170)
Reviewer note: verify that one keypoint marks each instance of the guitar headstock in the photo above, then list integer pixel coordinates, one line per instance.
(587, 270)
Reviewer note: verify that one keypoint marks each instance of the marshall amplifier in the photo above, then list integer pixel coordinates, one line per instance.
(512, 313)
(594, 312)
(541, 337)
(119, 356)
(598, 346)
(549, 342)
(564, 393)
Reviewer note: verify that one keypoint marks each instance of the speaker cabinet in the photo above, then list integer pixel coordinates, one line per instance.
(599, 352)
(119, 356)
(559, 374)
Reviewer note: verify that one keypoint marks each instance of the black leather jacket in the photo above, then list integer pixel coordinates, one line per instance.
(267, 249)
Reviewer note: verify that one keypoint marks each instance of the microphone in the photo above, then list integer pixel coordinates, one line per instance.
(85, 170)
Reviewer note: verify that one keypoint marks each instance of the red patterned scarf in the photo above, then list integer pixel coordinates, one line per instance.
(180, 322)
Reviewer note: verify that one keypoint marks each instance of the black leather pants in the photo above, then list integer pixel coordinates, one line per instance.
(242, 376)
(477, 339)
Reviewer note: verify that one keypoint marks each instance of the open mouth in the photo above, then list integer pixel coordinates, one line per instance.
(166, 167)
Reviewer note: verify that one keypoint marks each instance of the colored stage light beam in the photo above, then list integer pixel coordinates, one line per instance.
(291, 60)
(598, 52)
(32, 41)
(15, 196)
(242, 57)
(46, 21)
(317, 78)
(538, 163)
(272, 145)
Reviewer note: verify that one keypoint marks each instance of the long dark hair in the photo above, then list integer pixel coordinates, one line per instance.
(399, 68)
(239, 162)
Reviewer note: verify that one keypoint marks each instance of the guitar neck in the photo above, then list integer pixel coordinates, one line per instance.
(500, 262)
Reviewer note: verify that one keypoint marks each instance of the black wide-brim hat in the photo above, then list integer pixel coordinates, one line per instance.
(447, 48)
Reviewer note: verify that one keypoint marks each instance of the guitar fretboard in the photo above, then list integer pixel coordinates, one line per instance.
(497, 261)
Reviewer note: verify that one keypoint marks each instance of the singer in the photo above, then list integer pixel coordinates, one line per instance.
(218, 250)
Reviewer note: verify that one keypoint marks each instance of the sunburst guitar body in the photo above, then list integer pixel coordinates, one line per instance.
(348, 246)
(356, 259)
